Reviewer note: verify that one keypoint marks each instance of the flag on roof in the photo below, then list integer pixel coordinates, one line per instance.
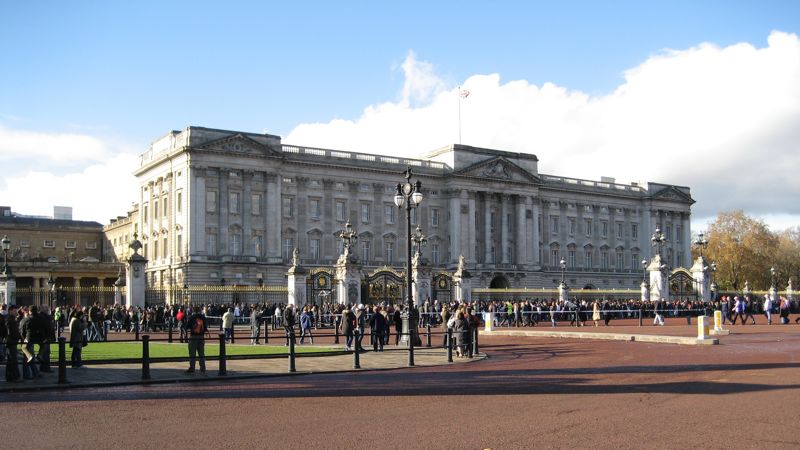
(463, 93)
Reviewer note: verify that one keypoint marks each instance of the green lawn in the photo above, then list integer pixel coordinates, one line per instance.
(96, 351)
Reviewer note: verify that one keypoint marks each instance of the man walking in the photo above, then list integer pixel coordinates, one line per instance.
(288, 323)
(227, 324)
(377, 324)
(198, 328)
(256, 317)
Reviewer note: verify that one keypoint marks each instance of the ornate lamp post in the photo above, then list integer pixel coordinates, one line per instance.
(410, 196)
(6, 242)
(713, 268)
(701, 242)
(658, 239)
(51, 285)
(563, 263)
(773, 272)
(349, 238)
(644, 271)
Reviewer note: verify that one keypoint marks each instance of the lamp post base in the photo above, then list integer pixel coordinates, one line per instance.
(410, 330)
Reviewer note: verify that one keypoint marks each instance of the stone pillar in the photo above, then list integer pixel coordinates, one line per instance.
(563, 292)
(8, 289)
(455, 226)
(296, 277)
(535, 247)
(520, 234)
(135, 278)
(503, 222)
(701, 280)
(348, 277)
(421, 279)
(487, 228)
(659, 283)
(462, 282)
(273, 215)
(472, 226)
(645, 291)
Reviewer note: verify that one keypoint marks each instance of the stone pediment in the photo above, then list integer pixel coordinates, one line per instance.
(499, 168)
(239, 143)
(674, 194)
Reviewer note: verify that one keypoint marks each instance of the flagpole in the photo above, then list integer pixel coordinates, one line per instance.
(459, 115)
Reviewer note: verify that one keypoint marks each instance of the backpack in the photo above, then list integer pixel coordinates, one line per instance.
(199, 326)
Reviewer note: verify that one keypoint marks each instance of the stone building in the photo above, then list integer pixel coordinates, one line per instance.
(218, 206)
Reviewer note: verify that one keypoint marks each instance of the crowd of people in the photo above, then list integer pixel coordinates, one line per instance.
(37, 327)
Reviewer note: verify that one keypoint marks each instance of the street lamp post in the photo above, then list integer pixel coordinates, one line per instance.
(644, 271)
(773, 273)
(563, 263)
(701, 242)
(410, 196)
(51, 284)
(6, 242)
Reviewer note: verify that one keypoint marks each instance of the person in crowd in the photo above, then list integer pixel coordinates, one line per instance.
(256, 317)
(398, 324)
(768, 308)
(445, 319)
(361, 322)
(13, 338)
(658, 313)
(227, 324)
(347, 327)
(3, 331)
(48, 338)
(748, 310)
(288, 321)
(182, 318)
(306, 323)
(32, 330)
(377, 325)
(738, 310)
(198, 329)
(77, 328)
(596, 313)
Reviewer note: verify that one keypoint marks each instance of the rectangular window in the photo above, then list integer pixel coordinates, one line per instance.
(26, 243)
(365, 246)
(620, 228)
(604, 260)
(604, 229)
(313, 248)
(211, 244)
(146, 213)
(211, 201)
(365, 212)
(179, 244)
(258, 245)
(571, 226)
(635, 260)
(668, 233)
(588, 260)
(493, 255)
(678, 232)
(165, 205)
(389, 213)
(634, 231)
(554, 224)
(510, 254)
(555, 258)
(288, 248)
(389, 252)
(341, 210)
(70, 244)
(435, 254)
(314, 209)
(587, 227)
(179, 202)
(155, 210)
(233, 202)
(571, 258)
(165, 248)
(288, 207)
(49, 243)
(236, 244)
(255, 204)
(434, 217)
(155, 248)
(620, 261)
(679, 261)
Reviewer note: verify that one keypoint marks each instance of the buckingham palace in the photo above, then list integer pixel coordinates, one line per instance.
(228, 207)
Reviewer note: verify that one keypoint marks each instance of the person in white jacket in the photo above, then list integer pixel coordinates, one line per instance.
(768, 309)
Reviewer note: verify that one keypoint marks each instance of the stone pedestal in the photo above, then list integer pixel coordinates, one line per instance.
(645, 291)
(135, 281)
(8, 289)
(701, 279)
(659, 281)
(462, 282)
(421, 279)
(296, 286)
(790, 291)
(563, 292)
(348, 278)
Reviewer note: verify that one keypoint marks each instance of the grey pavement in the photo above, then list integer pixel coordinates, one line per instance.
(170, 372)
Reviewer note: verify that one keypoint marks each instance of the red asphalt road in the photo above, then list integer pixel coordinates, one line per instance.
(531, 393)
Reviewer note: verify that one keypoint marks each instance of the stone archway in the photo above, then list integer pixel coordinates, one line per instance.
(499, 282)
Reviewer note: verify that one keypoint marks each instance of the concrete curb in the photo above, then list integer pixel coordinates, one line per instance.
(680, 340)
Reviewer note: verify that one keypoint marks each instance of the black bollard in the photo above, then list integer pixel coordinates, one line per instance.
(449, 345)
(291, 353)
(475, 342)
(169, 332)
(266, 332)
(146, 357)
(641, 319)
(233, 334)
(62, 360)
(136, 330)
(356, 357)
(223, 368)
(335, 334)
(428, 334)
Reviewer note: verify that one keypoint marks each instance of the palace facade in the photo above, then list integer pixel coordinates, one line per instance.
(218, 206)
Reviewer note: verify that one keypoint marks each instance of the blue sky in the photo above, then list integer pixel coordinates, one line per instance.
(121, 74)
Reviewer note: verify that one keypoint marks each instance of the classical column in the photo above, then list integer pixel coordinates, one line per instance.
(196, 212)
(223, 210)
(247, 213)
(504, 200)
(687, 237)
(273, 216)
(487, 228)
(536, 237)
(455, 227)
(472, 226)
(521, 231)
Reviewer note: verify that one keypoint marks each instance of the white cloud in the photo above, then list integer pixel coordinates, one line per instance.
(54, 147)
(99, 192)
(720, 120)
